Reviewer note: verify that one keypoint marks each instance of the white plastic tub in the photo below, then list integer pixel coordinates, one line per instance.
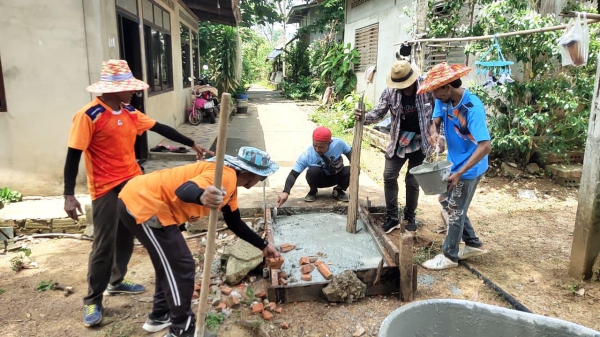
(455, 318)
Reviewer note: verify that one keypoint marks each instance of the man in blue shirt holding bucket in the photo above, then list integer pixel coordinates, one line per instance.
(468, 142)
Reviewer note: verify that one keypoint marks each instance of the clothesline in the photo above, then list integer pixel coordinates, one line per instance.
(593, 18)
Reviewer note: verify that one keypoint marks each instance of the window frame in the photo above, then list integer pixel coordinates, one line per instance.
(3, 104)
(151, 52)
(186, 71)
(195, 60)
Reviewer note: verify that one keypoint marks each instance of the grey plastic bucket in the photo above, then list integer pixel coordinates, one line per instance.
(456, 318)
(432, 176)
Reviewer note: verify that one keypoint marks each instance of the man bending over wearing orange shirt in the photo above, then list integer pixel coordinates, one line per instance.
(152, 206)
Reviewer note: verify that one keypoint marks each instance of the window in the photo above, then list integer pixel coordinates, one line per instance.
(195, 55)
(365, 41)
(2, 93)
(185, 55)
(356, 3)
(128, 5)
(157, 28)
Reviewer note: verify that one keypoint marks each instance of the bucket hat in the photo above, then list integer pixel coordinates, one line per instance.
(116, 76)
(402, 75)
(442, 74)
(252, 160)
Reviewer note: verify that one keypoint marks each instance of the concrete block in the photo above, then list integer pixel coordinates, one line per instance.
(89, 212)
(565, 170)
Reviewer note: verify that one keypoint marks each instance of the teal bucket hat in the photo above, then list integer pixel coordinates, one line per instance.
(252, 160)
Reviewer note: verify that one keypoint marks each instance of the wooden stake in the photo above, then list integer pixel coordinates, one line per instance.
(212, 220)
(406, 267)
(586, 236)
(355, 170)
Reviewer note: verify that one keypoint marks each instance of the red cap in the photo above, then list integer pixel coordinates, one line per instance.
(322, 134)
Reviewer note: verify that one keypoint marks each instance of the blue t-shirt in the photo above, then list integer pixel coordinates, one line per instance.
(464, 126)
(310, 158)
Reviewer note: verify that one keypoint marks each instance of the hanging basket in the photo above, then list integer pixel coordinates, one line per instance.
(496, 67)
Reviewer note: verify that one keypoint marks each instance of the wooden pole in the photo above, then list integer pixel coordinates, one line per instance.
(487, 37)
(406, 266)
(355, 170)
(586, 236)
(212, 220)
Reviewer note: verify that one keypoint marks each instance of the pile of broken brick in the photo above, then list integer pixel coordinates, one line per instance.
(307, 263)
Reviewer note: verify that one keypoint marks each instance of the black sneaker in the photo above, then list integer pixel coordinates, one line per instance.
(310, 197)
(155, 324)
(189, 332)
(411, 225)
(339, 194)
(390, 225)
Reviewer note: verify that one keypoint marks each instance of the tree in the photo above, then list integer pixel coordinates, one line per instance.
(546, 111)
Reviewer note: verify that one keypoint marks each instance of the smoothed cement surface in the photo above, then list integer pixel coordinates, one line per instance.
(324, 235)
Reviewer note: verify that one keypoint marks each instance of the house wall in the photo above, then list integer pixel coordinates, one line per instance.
(45, 68)
(50, 54)
(391, 30)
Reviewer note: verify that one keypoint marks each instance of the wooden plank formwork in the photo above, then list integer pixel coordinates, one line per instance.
(382, 280)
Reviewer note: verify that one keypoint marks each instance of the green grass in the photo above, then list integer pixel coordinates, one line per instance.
(45, 285)
(2, 291)
(426, 253)
(213, 320)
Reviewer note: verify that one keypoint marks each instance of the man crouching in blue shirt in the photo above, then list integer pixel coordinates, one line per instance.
(468, 143)
(325, 167)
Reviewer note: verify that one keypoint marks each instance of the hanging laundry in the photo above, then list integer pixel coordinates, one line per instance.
(369, 73)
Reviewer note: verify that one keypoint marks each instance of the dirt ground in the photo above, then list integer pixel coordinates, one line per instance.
(529, 243)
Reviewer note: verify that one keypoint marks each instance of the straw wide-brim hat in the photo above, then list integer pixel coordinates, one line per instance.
(116, 76)
(402, 75)
(442, 74)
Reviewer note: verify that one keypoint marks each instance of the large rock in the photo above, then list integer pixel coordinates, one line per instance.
(242, 257)
(508, 170)
(345, 287)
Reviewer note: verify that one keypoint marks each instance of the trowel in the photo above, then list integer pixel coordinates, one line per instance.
(274, 215)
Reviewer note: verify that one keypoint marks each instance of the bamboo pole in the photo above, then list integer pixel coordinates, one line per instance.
(355, 171)
(486, 37)
(212, 220)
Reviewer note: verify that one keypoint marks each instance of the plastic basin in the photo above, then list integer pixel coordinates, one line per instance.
(456, 318)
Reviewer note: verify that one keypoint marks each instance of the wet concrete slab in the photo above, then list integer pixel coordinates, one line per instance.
(324, 235)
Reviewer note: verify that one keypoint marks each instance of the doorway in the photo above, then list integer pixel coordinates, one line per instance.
(130, 50)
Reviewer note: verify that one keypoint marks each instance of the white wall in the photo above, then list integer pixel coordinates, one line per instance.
(45, 69)
(387, 14)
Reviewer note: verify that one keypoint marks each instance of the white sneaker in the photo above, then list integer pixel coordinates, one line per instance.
(469, 251)
(439, 262)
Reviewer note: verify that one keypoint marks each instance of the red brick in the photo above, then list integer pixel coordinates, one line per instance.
(278, 310)
(286, 247)
(196, 295)
(271, 306)
(285, 325)
(257, 308)
(304, 260)
(267, 316)
(307, 269)
(226, 290)
(313, 259)
(306, 277)
(221, 306)
(261, 294)
(275, 262)
(282, 274)
(196, 287)
(235, 302)
(324, 270)
(283, 282)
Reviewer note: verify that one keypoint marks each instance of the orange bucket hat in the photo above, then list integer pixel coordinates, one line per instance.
(116, 77)
(441, 75)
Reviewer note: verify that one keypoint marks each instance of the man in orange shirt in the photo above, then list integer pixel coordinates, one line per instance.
(152, 206)
(105, 131)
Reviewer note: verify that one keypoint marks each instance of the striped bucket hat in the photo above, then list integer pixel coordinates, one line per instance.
(116, 77)
(442, 74)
